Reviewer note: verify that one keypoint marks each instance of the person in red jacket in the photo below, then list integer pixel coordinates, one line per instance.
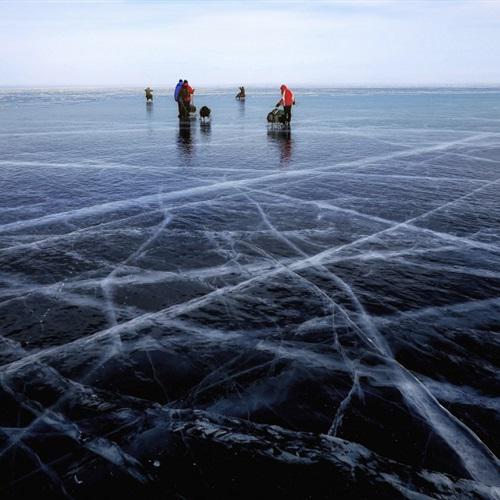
(287, 101)
(185, 98)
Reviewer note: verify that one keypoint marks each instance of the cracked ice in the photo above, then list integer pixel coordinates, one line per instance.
(184, 309)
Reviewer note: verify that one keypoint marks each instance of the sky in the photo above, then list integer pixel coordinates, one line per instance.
(260, 42)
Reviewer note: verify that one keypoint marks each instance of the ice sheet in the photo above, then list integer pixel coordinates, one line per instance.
(325, 299)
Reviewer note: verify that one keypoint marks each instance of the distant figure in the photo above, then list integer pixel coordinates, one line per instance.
(149, 94)
(241, 93)
(185, 98)
(287, 101)
(177, 90)
(205, 114)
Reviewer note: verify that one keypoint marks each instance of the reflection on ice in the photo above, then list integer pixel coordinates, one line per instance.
(283, 138)
(184, 141)
(331, 320)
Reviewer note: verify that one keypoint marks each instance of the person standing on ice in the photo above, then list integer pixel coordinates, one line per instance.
(287, 101)
(177, 90)
(241, 93)
(185, 99)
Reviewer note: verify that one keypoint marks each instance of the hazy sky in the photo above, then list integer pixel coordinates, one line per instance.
(226, 42)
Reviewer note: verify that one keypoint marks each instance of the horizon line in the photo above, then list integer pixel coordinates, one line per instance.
(261, 85)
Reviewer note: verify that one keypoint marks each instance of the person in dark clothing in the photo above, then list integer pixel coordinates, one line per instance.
(241, 93)
(149, 94)
(183, 110)
(177, 90)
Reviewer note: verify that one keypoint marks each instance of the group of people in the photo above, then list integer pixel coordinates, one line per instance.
(183, 96)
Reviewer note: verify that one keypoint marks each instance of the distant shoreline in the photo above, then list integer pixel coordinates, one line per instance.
(479, 86)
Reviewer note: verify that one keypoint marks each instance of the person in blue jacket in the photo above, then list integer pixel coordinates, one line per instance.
(178, 88)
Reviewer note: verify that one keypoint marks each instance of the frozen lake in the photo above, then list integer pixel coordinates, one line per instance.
(229, 311)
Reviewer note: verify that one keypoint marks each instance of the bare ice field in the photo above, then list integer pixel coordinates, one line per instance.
(227, 311)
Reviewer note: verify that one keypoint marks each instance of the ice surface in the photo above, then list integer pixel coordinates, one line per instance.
(186, 309)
